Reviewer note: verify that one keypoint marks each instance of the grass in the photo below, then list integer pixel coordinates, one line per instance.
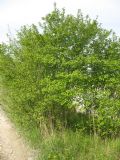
(76, 146)
(69, 145)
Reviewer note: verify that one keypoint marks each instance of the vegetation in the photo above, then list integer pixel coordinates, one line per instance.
(63, 82)
(75, 146)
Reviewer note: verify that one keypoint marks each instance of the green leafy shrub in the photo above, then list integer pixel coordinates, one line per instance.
(71, 57)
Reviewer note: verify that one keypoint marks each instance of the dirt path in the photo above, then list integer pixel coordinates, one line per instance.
(12, 146)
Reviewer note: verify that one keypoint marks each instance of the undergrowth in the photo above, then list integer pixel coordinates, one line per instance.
(65, 145)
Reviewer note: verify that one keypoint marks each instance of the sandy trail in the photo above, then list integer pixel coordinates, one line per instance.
(12, 146)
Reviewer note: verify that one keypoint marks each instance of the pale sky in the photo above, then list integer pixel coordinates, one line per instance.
(15, 13)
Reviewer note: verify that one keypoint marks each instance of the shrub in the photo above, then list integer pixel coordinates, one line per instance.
(71, 57)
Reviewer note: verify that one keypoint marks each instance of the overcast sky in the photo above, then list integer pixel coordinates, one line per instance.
(15, 13)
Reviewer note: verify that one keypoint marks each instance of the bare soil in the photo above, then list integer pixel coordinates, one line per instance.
(12, 145)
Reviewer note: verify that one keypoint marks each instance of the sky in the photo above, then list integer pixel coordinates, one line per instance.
(16, 13)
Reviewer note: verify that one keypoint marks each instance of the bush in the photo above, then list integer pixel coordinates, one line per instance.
(72, 57)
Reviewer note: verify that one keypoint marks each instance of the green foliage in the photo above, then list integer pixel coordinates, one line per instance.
(72, 57)
(75, 146)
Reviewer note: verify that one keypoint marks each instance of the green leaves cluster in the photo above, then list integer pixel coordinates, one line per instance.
(71, 57)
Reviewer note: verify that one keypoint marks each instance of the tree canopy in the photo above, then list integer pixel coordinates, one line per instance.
(66, 58)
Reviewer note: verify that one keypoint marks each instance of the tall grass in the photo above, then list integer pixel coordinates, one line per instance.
(76, 146)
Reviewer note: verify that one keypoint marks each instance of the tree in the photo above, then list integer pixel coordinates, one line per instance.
(72, 57)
